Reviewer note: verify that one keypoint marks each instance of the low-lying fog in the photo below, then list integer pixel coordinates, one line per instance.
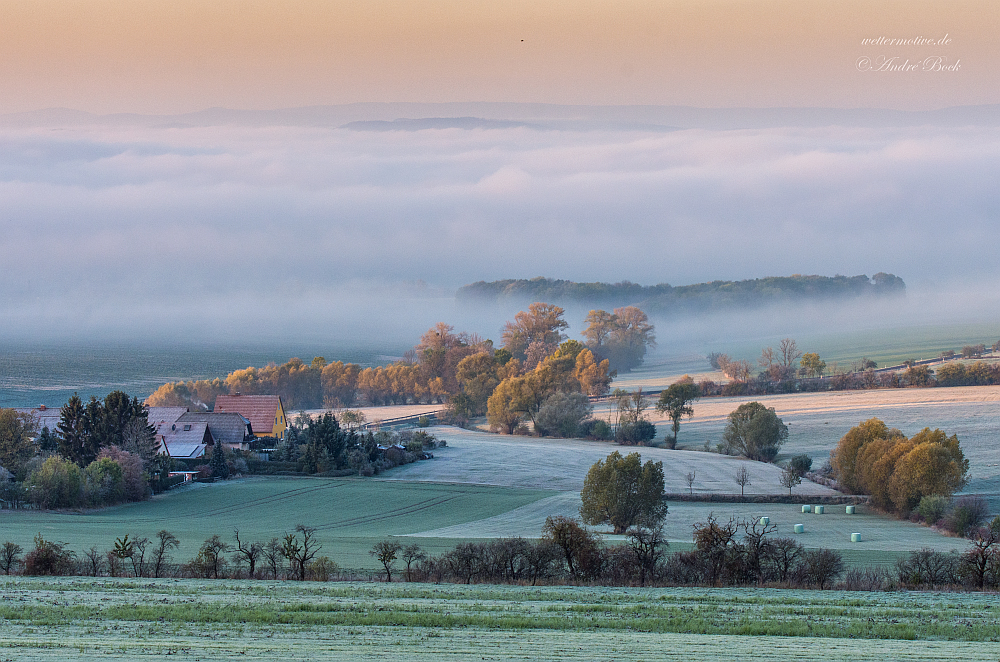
(261, 233)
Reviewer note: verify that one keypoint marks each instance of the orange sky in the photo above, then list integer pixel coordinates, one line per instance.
(151, 56)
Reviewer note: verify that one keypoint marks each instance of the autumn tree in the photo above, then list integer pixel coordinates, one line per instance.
(895, 471)
(676, 403)
(623, 492)
(543, 323)
(502, 413)
(594, 377)
(754, 431)
(248, 552)
(811, 365)
(622, 337)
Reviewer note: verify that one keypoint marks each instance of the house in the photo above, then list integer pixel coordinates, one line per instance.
(186, 441)
(160, 415)
(230, 429)
(44, 417)
(265, 412)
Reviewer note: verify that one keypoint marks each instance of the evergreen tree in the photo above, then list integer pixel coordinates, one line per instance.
(71, 432)
(217, 463)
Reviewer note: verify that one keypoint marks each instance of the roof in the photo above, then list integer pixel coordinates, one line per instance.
(44, 417)
(179, 439)
(165, 414)
(187, 451)
(260, 410)
(226, 427)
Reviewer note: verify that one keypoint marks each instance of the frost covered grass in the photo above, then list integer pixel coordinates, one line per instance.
(77, 618)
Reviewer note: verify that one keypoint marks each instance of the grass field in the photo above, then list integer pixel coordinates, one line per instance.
(561, 464)
(485, 486)
(350, 514)
(85, 619)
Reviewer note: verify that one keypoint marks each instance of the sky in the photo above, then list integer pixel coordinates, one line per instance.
(108, 56)
(178, 225)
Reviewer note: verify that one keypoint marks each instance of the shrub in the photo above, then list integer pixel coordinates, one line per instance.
(969, 512)
(424, 422)
(801, 464)
(322, 569)
(48, 558)
(755, 432)
(136, 480)
(562, 413)
(104, 482)
(58, 483)
(595, 429)
(639, 433)
(821, 567)
(933, 508)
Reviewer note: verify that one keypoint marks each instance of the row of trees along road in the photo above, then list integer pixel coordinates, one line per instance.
(445, 366)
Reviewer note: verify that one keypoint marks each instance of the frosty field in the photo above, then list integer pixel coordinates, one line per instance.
(88, 619)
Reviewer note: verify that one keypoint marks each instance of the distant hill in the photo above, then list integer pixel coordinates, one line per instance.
(715, 295)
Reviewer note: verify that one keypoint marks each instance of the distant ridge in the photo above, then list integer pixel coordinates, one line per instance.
(534, 115)
(662, 298)
(405, 124)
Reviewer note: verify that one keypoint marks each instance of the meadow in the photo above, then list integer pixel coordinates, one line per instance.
(350, 514)
(87, 619)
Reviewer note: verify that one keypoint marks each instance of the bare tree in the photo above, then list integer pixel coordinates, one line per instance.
(742, 478)
(690, 479)
(211, 556)
(94, 562)
(249, 552)
(272, 554)
(789, 352)
(386, 551)
(166, 541)
(412, 554)
(790, 478)
(138, 556)
(299, 554)
(767, 358)
(648, 546)
(10, 556)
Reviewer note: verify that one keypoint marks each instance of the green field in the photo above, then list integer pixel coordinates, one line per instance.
(350, 514)
(86, 619)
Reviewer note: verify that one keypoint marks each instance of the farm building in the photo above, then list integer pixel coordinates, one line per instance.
(265, 412)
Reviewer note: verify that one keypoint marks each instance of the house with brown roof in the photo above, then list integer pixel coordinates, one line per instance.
(265, 412)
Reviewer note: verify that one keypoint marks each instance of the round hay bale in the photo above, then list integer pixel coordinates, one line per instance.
(850, 510)
(818, 509)
(799, 528)
(807, 509)
(855, 537)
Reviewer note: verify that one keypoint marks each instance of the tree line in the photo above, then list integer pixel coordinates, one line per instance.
(664, 298)
(534, 362)
(787, 369)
